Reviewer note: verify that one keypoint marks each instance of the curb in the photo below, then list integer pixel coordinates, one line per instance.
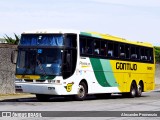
(15, 97)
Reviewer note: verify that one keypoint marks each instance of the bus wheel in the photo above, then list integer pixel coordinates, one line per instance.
(42, 98)
(82, 92)
(139, 90)
(132, 92)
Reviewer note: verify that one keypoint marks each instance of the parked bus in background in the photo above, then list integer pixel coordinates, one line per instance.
(75, 63)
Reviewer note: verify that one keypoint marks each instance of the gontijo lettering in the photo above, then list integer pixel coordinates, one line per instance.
(126, 66)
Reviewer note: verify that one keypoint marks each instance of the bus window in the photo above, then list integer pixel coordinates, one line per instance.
(127, 49)
(86, 45)
(122, 52)
(89, 47)
(110, 50)
(97, 47)
(70, 40)
(116, 50)
(149, 54)
(133, 53)
(138, 52)
(143, 55)
(103, 48)
(82, 45)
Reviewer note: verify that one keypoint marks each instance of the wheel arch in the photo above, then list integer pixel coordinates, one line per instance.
(84, 81)
(134, 82)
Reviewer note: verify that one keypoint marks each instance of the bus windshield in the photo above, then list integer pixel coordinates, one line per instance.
(40, 61)
(42, 40)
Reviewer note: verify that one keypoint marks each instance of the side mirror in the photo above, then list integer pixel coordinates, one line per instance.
(14, 55)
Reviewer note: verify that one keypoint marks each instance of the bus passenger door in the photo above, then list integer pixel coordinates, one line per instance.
(69, 62)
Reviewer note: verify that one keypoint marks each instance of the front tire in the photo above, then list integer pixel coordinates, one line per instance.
(82, 92)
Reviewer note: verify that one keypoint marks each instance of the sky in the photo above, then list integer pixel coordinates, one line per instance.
(135, 20)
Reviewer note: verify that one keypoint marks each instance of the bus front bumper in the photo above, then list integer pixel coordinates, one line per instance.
(49, 89)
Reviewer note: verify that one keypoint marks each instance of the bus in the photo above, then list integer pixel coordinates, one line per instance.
(76, 63)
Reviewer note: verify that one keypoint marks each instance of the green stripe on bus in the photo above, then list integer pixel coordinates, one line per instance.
(86, 34)
(90, 35)
(103, 72)
(107, 67)
(98, 71)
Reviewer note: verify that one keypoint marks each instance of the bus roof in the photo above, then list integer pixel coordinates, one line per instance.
(49, 31)
(115, 38)
(90, 34)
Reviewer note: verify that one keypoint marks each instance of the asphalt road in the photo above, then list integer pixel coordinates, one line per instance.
(150, 101)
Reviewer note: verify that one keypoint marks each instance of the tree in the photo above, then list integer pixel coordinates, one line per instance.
(157, 54)
(10, 40)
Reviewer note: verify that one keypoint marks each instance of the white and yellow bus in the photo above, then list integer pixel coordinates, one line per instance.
(70, 62)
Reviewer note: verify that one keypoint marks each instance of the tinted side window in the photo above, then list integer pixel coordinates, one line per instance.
(107, 49)
(97, 47)
(134, 54)
(127, 50)
(151, 59)
(122, 51)
(149, 54)
(103, 48)
(110, 50)
(83, 45)
(138, 52)
(86, 45)
(143, 54)
(89, 47)
(116, 50)
(70, 40)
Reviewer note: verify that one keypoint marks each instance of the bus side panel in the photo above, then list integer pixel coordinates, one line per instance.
(98, 74)
(149, 83)
(125, 72)
(102, 74)
(146, 74)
